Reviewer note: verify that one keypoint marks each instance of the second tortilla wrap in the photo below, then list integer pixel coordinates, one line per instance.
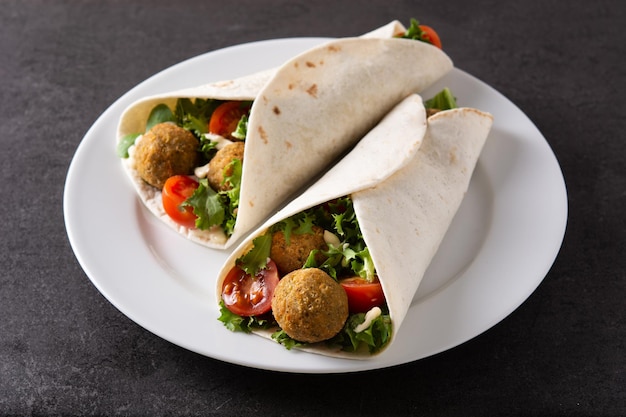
(404, 217)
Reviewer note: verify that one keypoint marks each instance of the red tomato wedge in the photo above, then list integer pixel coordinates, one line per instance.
(431, 36)
(247, 295)
(226, 116)
(362, 294)
(176, 190)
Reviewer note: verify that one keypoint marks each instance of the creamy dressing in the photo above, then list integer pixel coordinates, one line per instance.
(221, 141)
(331, 239)
(370, 316)
(202, 171)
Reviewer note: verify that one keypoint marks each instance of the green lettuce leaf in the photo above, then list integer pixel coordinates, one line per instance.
(242, 128)
(208, 148)
(230, 197)
(125, 143)
(375, 337)
(217, 208)
(195, 115)
(256, 259)
(236, 323)
(284, 339)
(415, 32)
(159, 114)
(443, 100)
(207, 205)
(299, 224)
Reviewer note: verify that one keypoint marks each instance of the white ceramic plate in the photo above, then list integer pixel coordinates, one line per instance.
(500, 246)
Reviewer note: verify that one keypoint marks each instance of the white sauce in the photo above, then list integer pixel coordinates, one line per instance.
(220, 143)
(220, 140)
(370, 316)
(331, 239)
(201, 172)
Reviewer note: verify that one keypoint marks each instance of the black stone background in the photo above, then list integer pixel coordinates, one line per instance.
(65, 350)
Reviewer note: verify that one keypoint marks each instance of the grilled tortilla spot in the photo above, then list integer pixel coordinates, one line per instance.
(312, 91)
(263, 134)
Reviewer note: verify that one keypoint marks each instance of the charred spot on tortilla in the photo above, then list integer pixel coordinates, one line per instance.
(288, 144)
(334, 48)
(312, 91)
(290, 86)
(276, 110)
(453, 157)
(263, 134)
(225, 83)
(310, 64)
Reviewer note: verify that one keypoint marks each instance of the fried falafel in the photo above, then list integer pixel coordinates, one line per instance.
(292, 256)
(218, 166)
(164, 151)
(309, 305)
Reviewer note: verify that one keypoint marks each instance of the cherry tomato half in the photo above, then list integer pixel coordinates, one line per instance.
(176, 190)
(362, 294)
(431, 36)
(247, 295)
(226, 116)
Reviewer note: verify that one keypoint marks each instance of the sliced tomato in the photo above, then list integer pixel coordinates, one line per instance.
(362, 294)
(250, 295)
(176, 190)
(431, 36)
(226, 116)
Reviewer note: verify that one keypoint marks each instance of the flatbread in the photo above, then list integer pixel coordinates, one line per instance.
(404, 208)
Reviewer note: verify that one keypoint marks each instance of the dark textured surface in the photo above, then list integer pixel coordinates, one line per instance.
(65, 350)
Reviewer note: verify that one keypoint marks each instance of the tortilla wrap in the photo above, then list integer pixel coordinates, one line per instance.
(404, 208)
(305, 115)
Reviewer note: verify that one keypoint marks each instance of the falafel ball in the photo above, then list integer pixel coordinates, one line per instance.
(309, 305)
(164, 151)
(292, 256)
(219, 163)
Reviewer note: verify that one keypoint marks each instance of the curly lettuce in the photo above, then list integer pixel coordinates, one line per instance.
(217, 208)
